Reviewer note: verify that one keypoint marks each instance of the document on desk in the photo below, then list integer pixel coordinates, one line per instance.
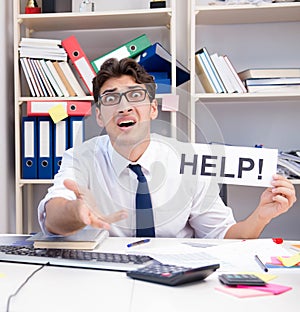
(232, 256)
(241, 255)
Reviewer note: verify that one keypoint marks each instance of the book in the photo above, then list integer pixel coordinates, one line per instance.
(204, 76)
(269, 73)
(238, 82)
(42, 49)
(287, 88)
(272, 81)
(213, 74)
(57, 78)
(224, 72)
(64, 79)
(84, 239)
(71, 78)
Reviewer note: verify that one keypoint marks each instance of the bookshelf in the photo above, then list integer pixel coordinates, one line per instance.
(59, 26)
(206, 20)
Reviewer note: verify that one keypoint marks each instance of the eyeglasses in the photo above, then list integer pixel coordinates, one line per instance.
(114, 98)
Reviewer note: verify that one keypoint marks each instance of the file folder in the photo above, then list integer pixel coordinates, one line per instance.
(130, 49)
(60, 142)
(73, 108)
(76, 131)
(29, 148)
(157, 59)
(163, 83)
(80, 61)
(45, 148)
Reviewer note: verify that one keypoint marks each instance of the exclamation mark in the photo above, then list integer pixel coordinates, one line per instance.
(260, 165)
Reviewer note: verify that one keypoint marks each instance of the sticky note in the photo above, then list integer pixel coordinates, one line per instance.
(290, 261)
(57, 113)
(275, 289)
(242, 292)
(170, 102)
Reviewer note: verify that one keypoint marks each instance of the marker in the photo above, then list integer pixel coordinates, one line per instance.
(143, 241)
(260, 263)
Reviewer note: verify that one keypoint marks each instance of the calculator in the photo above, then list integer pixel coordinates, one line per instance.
(172, 275)
(241, 279)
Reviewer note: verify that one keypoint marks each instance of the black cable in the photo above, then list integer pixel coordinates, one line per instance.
(22, 285)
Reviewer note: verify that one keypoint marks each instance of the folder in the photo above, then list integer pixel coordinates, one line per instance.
(76, 131)
(130, 49)
(29, 147)
(80, 61)
(45, 148)
(163, 83)
(157, 59)
(73, 108)
(60, 142)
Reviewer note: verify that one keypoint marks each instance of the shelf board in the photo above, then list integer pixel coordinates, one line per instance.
(247, 13)
(73, 98)
(246, 97)
(96, 20)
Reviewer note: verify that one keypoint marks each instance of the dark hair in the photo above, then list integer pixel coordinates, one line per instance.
(112, 68)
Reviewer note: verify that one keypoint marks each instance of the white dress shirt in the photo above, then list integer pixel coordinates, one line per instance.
(184, 205)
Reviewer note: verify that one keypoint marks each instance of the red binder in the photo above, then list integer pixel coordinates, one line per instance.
(73, 108)
(80, 61)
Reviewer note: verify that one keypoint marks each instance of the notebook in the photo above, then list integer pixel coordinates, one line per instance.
(84, 239)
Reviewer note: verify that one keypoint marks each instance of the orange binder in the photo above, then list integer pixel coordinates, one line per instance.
(73, 108)
(80, 61)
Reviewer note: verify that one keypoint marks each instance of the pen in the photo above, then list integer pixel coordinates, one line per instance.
(260, 263)
(143, 241)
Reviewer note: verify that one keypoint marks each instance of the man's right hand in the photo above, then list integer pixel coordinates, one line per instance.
(66, 217)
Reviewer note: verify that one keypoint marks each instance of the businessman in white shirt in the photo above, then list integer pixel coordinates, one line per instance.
(96, 187)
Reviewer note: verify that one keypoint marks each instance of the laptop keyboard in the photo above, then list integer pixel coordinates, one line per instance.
(73, 258)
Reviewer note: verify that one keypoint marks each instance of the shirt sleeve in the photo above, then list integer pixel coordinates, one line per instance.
(210, 217)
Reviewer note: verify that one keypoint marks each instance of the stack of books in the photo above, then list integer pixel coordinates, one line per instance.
(289, 164)
(217, 73)
(271, 80)
(47, 70)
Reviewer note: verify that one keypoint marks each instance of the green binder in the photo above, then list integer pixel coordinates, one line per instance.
(130, 49)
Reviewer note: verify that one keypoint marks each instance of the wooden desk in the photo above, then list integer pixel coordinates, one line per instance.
(67, 289)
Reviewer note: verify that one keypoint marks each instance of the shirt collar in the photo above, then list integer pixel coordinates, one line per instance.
(119, 163)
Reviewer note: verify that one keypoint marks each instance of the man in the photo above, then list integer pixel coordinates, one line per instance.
(96, 185)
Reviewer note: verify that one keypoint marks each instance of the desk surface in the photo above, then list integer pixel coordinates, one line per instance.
(68, 289)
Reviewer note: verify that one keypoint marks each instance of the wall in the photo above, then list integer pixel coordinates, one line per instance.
(6, 119)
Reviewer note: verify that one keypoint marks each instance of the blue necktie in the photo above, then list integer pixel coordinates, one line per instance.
(144, 213)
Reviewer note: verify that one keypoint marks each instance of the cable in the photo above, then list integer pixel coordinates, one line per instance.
(22, 285)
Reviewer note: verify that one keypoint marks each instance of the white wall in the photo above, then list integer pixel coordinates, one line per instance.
(6, 119)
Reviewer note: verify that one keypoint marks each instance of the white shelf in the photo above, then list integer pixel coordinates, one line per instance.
(246, 97)
(247, 13)
(96, 20)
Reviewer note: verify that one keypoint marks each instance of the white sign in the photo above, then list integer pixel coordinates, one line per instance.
(231, 164)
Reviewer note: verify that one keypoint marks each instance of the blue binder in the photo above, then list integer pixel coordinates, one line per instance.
(45, 147)
(76, 130)
(60, 142)
(163, 83)
(157, 59)
(29, 147)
